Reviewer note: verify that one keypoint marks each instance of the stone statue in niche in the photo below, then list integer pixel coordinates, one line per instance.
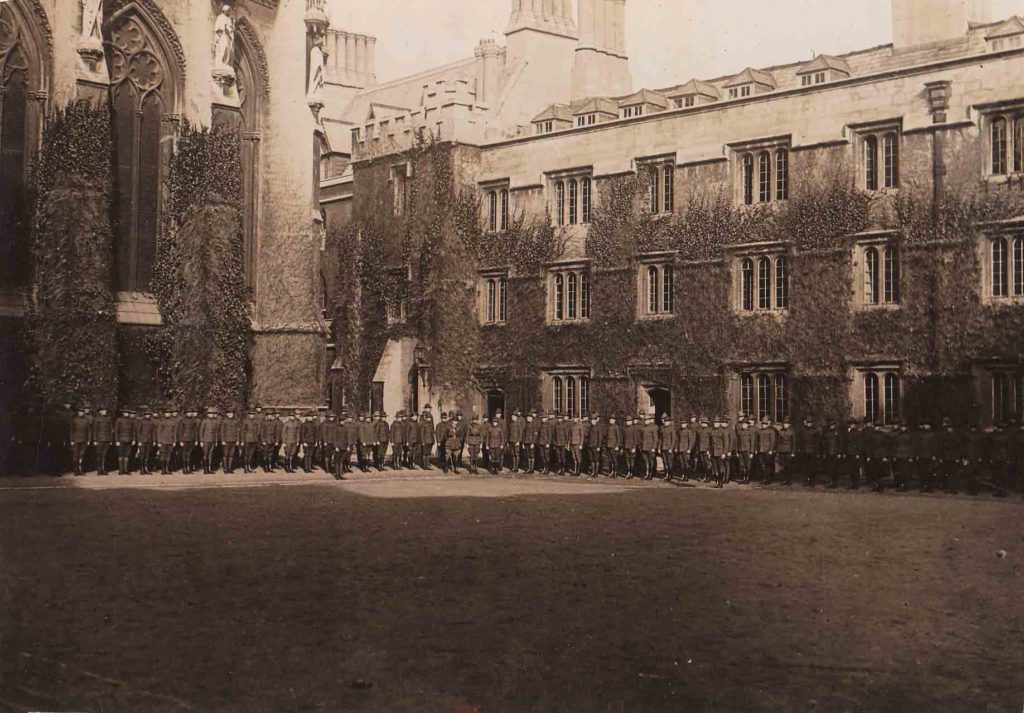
(224, 41)
(314, 91)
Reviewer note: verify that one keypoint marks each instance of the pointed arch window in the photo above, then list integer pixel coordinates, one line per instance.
(143, 89)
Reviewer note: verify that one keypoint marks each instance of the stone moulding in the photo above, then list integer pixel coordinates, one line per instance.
(163, 25)
(248, 33)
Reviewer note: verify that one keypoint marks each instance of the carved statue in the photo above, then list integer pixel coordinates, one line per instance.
(223, 39)
(92, 17)
(316, 76)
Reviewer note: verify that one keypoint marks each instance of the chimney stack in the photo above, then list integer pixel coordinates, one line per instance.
(918, 22)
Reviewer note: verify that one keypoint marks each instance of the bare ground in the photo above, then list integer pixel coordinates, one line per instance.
(508, 595)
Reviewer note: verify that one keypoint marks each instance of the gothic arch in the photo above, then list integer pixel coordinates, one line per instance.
(250, 52)
(147, 73)
(26, 50)
(253, 79)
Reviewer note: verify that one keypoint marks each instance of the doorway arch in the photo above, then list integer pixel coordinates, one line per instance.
(494, 401)
(660, 399)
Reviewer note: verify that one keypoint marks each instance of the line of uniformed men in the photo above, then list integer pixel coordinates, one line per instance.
(712, 449)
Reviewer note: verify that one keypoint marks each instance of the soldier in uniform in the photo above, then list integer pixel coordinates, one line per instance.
(462, 430)
(209, 437)
(560, 434)
(668, 438)
(397, 437)
(904, 458)
(609, 441)
(576, 438)
(685, 445)
(81, 437)
(853, 452)
(648, 445)
(745, 437)
(873, 453)
(474, 441)
(785, 452)
(124, 440)
(596, 437)
(167, 437)
(102, 437)
(545, 437)
(452, 444)
(291, 432)
(230, 434)
(328, 440)
(426, 436)
(412, 440)
(145, 435)
(382, 436)
(531, 430)
(765, 443)
(250, 441)
(309, 437)
(974, 460)
(702, 450)
(809, 446)
(495, 446)
(516, 429)
(269, 434)
(440, 437)
(189, 439)
(348, 433)
(719, 451)
(630, 442)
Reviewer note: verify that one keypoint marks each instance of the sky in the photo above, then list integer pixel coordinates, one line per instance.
(669, 41)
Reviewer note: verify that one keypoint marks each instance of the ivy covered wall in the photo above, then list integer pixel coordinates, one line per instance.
(941, 330)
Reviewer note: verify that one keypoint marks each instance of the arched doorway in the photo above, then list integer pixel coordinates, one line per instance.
(495, 401)
(660, 399)
(414, 389)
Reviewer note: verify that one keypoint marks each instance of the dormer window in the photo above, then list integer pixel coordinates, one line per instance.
(685, 102)
(808, 80)
(1006, 36)
(545, 127)
(586, 120)
(741, 91)
(629, 112)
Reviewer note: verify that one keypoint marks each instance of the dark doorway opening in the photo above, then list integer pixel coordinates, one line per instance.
(414, 390)
(660, 399)
(495, 402)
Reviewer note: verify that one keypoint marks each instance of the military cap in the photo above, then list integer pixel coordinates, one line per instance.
(517, 413)
(444, 414)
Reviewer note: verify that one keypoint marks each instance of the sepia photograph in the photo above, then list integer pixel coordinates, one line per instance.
(475, 356)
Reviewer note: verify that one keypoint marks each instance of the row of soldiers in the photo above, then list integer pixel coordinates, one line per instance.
(713, 449)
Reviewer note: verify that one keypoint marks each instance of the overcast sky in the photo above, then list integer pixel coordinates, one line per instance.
(669, 41)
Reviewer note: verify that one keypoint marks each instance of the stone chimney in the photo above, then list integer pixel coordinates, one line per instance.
(601, 66)
(490, 60)
(918, 22)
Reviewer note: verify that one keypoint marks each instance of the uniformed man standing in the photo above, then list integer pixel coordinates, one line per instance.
(649, 447)
(545, 437)
(560, 435)
(452, 444)
(291, 433)
(809, 446)
(576, 436)
(309, 435)
(474, 441)
(250, 441)
(102, 437)
(348, 432)
(596, 437)
(230, 434)
(441, 438)
(630, 445)
(949, 459)
(81, 437)
(516, 429)
(269, 434)
(832, 447)
(702, 459)
(462, 430)
(426, 436)
(412, 440)
(145, 435)
(209, 437)
(396, 435)
(124, 440)
(903, 460)
(744, 449)
(853, 452)
(719, 451)
(531, 430)
(765, 441)
(381, 436)
(168, 436)
(925, 447)
(785, 452)
(495, 446)
(687, 445)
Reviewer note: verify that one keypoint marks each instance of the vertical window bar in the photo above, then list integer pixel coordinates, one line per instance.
(871, 276)
(999, 146)
(668, 189)
(585, 200)
(890, 158)
(502, 299)
(560, 202)
(892, 399)
(668, 290)
(764, 283)
(559, 296)
(1018, 266)
(748, 284)
(782, 175)
(871, 397)
(490, 300)
(1000, 271)
(781, 398)
(764, 177)
(747, 394)
(571, 289)
(891, 289)
(652, 290)
(871, 163)
(781, 283)
(572, 201)
(748, 179)
(764, 396)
